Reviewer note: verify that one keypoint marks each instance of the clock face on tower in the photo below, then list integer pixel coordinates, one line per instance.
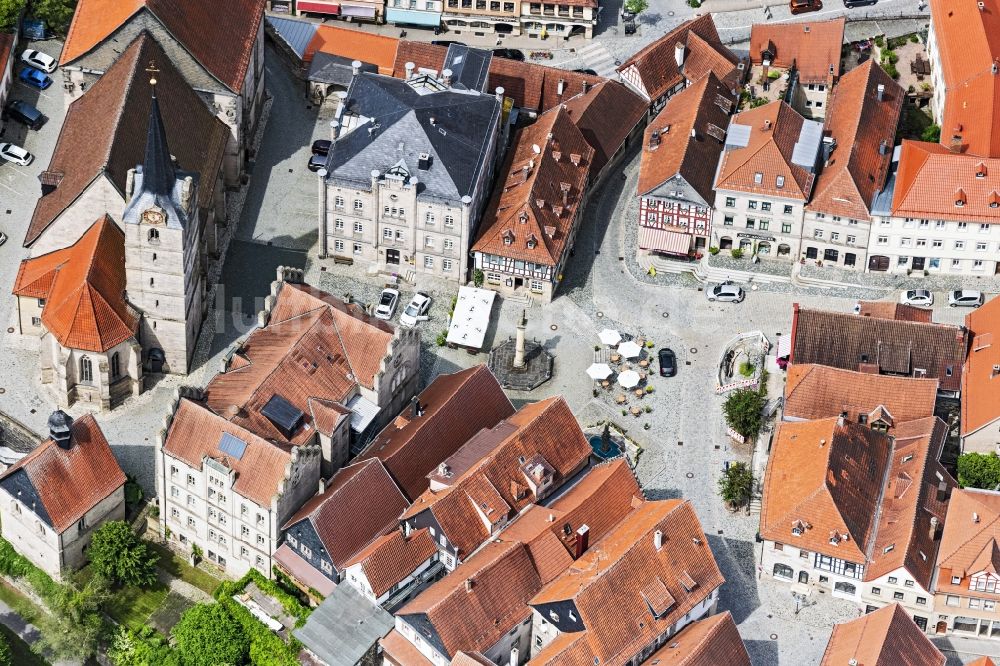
(153, 216)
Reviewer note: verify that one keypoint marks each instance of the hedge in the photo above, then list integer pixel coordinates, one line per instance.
(16, 565)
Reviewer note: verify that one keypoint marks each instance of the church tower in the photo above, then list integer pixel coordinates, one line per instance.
(163, 262)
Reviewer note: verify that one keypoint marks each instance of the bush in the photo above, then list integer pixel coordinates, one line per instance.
(891, 70)
(208, 634)
(117, 553)
(774, 74)
(736, 485)
(133, 492)
(746, 369)
(979, 470)
(141, 647)
(713, 250)
(931, 134)
(478, 277)
(914, 39)
(694, 3)
(441, 339)
(649, 389)
(266, 648)
(742, 410)
(10, 10)
(737, 253)
(4, 651)
(636, 6)
(880, 41)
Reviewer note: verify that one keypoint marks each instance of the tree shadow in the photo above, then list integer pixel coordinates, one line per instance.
(656, 494)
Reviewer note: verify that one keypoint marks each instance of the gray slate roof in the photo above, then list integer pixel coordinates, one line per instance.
(297, 34)
(333, 69)
(469, 67)
(406, 118)
(344, 627)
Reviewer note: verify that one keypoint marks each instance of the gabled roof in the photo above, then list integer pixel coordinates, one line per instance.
(704, 52)
(84, 289)
(344, 627)
(545, 429)
(219, 36)
(606, 115)
(626, 591)
(196, 433)
(968, 41)
(453, 408)
(897, 311)
(824, 480)
(61, 485)
(105, 130)
(971, 532)
(776, 142)
(881, 638)
(864, 129)
(820, 391)
(811, 46)
(931, 180)
(391, 558)
(368, 47)
(702, 107)
(713, 641)
(313, 352)
(889, 346)
(534, 207)
(980, 383)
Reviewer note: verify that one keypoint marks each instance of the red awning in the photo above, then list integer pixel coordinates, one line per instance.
(319, 7)
(302, 571)
(661, 240)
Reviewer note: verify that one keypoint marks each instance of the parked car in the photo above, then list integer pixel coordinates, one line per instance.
(321, 147)
(416, 309)
(25, 114)
(586, 71)
(918, 297)
(39, 60)
(726, 292)
(317, 162)
(35, 78)
(668, 362)
(509, 54)
(803, 6)
(447, 42)
(966, 298)
(3, 238)
(15, 154)
(858, 3)
(387, 303)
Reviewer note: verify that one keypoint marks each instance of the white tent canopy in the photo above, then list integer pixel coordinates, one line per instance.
(599, 371)
(472, 317)
(610, 337)
(629, 349)
(629, 379)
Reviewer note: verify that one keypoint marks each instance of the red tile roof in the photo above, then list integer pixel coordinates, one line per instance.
(968, 41)
(971, 536)
(378, 50)
(886, 637)
(398, 650)
(864, 129)
(897, 311)
(6, 44)
(811, 46)
(702, 107)
(980, 383)
(360, 504)
(774, 131)
(710, 642)
(105, 131)
(220, 37)
(411, 448)
(391, 558)
(656, 65)
(606, 115)
(535, 207)
(930, 180)
(195, 433)
(69, 483)
(84, 290)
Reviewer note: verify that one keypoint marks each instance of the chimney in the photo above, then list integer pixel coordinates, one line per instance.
(61, 429)
(767, 125)
(880, 92)
(694, 133)
(586, 86)
(582, 541)
(822, 443)
(956, 143)
(679, 54)
(409, 69)
(468, 585)
(654, 140)
(356, 67)
(975, 517)
(565, 192)
(415, 404)
(932, 533)
(446, 77)
(322, 486)
(883, 147)
(658, 539)
(515, 656)
(424, 161)
(499, 93)
(996, 371)
(562, 87)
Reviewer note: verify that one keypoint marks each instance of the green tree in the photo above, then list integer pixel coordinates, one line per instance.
(56, 13)
(9, 11)
(742, 410)
(979, 470)
(208, 635)
(75, 627)
(121, 556)
(636, 6)
(931, 133)
(141, 647)
(5, 658)
(736, 485)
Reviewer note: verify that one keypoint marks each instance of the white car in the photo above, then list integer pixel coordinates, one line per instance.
(39, 60)
(416, 309)
(917, 297)
(727, 293)
(3, 238)
(387, 303)
(15, 154)
(969, 298)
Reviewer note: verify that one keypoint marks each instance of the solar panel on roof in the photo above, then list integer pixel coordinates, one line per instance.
(807, 147)
(283, 414)
(232, 445)
(738, 136)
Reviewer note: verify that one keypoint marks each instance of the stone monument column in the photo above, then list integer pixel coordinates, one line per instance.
(519, 348)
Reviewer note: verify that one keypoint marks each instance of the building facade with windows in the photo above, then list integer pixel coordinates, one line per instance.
(405, 183)
(559, 19)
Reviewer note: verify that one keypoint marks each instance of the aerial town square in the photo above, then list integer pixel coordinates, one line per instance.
(500, 332)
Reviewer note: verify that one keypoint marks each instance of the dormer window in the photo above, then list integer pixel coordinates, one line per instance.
(779, 182)
(532, 243)
(758, 178)
(508, 238)
(959, 198)
(981, 170)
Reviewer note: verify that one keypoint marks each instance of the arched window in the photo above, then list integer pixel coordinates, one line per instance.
(116, 369)
(154, 236)
(86, 370)
(782, 571)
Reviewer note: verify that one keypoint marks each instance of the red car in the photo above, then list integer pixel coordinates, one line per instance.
(803, 6)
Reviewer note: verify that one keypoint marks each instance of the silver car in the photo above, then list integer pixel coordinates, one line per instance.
(387, 303)
(968, 298)
(15, 154)
(726, 293)
(416, 310)
(917, 297)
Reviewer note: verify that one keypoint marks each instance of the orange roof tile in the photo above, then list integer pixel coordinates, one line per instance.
(195, 433)
(606, 115)
(971, 528)
(220, 37)
(709, 642)
(980, 383)
(820, 391)
(824, 479)
(390, 558)
(702, 107)
(67, 483)
(84, 290)
(896, 311)
(811, 46)
(398, 650)
(982, 661)
(534, 209)
(411, 448)
(929, 177)
(864, 129)
(968, 41)
(886, 637)
(368, 47)
(471, 659)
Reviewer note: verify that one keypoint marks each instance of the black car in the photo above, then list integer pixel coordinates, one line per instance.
(668, 362)
(447, 42)
(321, 146)
(509, 54)
(25, 114)
(317, 162)
(586, 71)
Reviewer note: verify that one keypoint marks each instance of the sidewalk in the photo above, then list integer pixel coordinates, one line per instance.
(967, 648)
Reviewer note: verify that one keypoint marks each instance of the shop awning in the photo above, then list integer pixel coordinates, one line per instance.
(661, 240)
(413, 17)
(318, 7)
(359, 11)
(473, 311)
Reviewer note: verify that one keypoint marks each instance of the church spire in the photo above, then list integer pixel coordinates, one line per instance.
(157, 168)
